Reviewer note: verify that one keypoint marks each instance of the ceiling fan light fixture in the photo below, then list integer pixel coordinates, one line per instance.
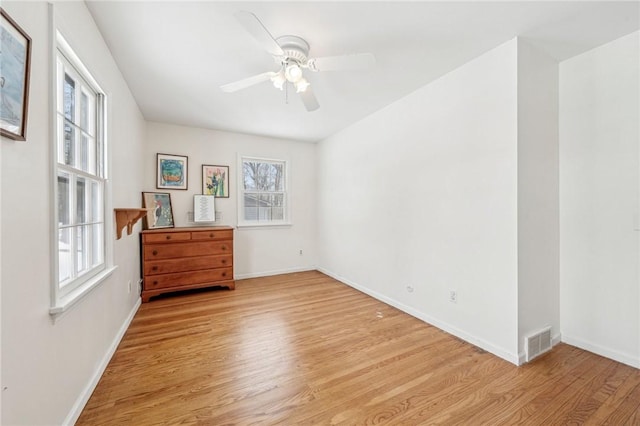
(301, 85)
(293, 72)
(278, 80)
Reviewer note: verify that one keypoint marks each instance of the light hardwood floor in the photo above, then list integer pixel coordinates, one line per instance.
(305, 349)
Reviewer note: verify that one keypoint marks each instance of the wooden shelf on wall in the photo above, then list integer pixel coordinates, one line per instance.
(128, 218)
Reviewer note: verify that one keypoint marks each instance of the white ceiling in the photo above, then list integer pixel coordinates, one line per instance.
(175, 54)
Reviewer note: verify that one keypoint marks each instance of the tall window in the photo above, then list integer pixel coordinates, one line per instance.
(80, 170)
(263, 190)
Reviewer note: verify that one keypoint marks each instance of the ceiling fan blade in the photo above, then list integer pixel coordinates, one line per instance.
(253, 25)
(343, 62)
(309, 100)
(246, 82)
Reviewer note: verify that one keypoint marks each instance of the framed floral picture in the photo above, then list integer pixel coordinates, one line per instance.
(215, 180)
(172, 171)
(159, 210)
(14, 79)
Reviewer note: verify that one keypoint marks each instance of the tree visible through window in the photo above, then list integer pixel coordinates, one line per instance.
(264, 196)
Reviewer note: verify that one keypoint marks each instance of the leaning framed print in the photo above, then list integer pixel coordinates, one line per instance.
(172, 171)
(15, 48)
(215, 180)
(159, 210)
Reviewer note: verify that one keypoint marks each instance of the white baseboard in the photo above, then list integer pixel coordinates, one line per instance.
(602, 351)
(82, 400)
(448, 328)
(274, 272)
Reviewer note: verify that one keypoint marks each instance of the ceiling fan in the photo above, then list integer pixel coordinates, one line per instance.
(292, 55)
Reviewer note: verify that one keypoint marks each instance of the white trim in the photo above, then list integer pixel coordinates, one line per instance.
(64, 298)
(66, 302)
(82, 400)
(624, 358)
(275, 272)
(476, 341)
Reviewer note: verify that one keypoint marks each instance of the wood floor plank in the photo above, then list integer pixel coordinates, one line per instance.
(303, 348)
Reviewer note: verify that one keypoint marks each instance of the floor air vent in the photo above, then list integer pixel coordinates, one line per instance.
(538, 343)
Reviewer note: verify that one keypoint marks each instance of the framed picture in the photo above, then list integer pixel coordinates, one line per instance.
(215, 180)
(15, 46)
(172, 171)
(159, 210)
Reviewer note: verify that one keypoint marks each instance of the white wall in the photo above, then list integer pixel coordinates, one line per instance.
(47, 367)
(424, 194)
(538, 228)
(258, 251)
(599, 194)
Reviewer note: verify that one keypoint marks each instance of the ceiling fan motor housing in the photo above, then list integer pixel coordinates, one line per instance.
(295, 49)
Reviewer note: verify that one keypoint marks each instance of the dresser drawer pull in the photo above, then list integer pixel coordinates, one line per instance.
(224, 274)
(155, 283)
(224, 261)
(223, 247)
(211, 235)
(155, 268)
(155, 252)
(168, 237)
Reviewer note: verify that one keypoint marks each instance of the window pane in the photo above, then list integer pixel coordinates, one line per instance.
(81, 200)
(84, 111)
(250, 207)
(97, 247)
(277, 213)
(249, 170)
(277, 176)
(88, 154)
(69, 101)
(83, 154)
(65, 262)
(69, 144)
(81, 249)
(64, 199)
(96, 202)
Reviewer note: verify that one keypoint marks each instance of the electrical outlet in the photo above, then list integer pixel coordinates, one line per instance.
(300, 252)
(218, 215)
(410, 289)
(453, 296)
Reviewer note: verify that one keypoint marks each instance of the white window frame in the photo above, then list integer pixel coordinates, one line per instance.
(242, 222)
(64, 297)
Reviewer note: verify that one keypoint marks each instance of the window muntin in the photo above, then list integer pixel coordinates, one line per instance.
(263, 192)
(81, 183)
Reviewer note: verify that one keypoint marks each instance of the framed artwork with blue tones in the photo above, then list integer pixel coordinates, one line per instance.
(172, 171)
(215, 180)
(15, 48)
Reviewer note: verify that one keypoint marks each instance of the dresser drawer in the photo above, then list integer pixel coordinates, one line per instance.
(189, 249)
(154, 267)
(161, 237)
(224, 234)
(181, 279)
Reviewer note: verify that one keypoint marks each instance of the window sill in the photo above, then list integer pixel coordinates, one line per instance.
(256, 225)
(68, 301)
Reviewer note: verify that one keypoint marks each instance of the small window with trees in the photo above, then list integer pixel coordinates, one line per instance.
(263, 192)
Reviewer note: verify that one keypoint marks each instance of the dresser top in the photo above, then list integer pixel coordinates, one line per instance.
(187, 229)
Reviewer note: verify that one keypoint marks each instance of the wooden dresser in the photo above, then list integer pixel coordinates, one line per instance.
(175, 259)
